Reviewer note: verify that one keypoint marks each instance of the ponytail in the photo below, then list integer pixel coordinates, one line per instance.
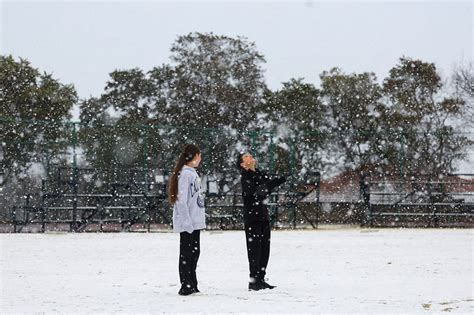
(187, 154)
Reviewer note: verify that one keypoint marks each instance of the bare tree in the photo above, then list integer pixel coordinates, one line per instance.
(463, 82)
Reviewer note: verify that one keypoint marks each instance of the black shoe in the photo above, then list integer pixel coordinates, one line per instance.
(196, 290)
(186, 291)
(265, 285)
(255, 286)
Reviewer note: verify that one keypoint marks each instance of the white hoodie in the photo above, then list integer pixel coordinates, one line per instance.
(188, 211)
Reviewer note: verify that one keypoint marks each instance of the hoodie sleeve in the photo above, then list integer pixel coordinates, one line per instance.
(182, 207)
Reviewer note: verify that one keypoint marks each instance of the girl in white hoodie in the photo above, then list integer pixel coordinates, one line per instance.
(186, 196)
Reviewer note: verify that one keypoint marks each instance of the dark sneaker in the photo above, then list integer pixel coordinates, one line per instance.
(255, 286)
(185, 291)
(266, 285)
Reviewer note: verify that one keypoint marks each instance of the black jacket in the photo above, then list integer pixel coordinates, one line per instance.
(256, 186)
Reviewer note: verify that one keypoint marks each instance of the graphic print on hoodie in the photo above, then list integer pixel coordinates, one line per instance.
(188, 211)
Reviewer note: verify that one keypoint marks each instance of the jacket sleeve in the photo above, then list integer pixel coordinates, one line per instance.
(266, 188)
(182, 207)
(273, 183)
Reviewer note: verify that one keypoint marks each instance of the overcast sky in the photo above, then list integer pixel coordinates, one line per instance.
(81, 42)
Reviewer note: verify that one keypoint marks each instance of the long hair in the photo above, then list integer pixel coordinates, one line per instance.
(239, 160)
(187, 154)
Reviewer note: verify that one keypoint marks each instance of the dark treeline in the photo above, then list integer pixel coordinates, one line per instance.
(213, 92)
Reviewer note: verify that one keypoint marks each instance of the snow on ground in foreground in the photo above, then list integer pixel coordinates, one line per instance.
(322, 271)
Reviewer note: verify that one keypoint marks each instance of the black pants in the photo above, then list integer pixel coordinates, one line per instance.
(258, 248)
(189, 250)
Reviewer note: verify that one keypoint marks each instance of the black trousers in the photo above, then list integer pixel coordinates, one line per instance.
(258, 248)
(189, 250)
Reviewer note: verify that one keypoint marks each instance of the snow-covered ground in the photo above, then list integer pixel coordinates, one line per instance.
(321, 271)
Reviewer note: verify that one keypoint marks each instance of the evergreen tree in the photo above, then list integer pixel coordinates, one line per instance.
(32, 108)
(297, 117)
(416, 108)
(353, 104)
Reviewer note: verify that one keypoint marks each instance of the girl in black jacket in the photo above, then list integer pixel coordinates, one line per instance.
(256, 187)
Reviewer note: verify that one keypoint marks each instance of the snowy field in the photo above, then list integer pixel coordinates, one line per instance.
(322, 271)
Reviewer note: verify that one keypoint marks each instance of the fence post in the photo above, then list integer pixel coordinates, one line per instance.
(74, 178)
(145, 158)
(14, 218)
(253, 142)
(365, 194)
(271, 155)
(401, 157)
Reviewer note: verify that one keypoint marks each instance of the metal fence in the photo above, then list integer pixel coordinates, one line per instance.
(116, 175)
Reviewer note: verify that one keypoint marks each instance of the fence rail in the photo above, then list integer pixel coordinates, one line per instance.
(94, 170)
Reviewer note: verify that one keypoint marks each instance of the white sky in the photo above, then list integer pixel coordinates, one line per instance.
(81, 42)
